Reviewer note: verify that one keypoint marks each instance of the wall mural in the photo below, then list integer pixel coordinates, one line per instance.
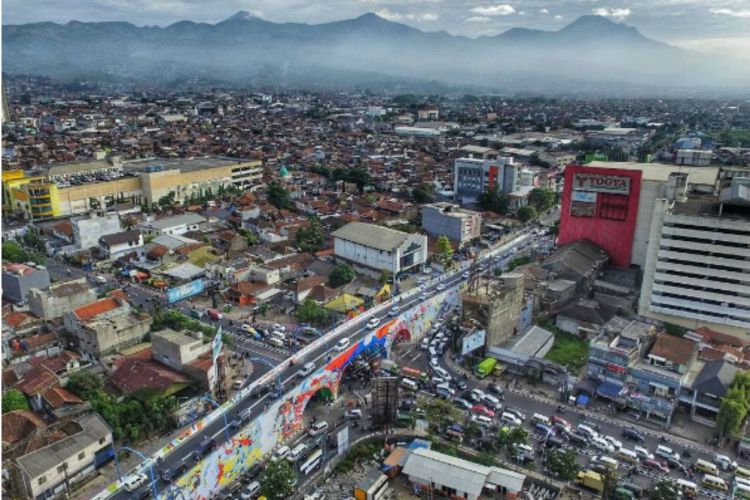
(284, 418)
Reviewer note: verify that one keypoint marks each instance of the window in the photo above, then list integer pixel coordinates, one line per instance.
(613, 206)
(102, 440)
(42, 479)
(82, 455)
(62, 467)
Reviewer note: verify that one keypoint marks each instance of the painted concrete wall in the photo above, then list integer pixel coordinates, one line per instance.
(284, 419)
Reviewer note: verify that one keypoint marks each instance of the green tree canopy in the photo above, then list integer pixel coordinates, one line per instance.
(440, 413)
(33, 241)
(510, 437)
(13, 400)
(444, 249)
(494, 201)
(663, 490)
(542, 199)
(424, 193)
(341, 275)
(312, 312)
(311, 238)
(526, 213)
(278, 196)
(13, 252)
(276, 480)
(563, 464)
(85, 383)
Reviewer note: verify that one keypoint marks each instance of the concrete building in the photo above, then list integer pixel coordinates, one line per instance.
(18, 279)
(450, 220)
(430, 471)
(474, 176)
(428, 113)
(102, 327)
(114, 246)
(495, 305)
(697, 271)
(694, 157)
(51, 470)
(177, 349)
(375, 249)
(177, 224)
(59, 298)
(88, 230)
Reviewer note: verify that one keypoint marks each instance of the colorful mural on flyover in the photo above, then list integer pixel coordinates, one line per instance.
(283, 419)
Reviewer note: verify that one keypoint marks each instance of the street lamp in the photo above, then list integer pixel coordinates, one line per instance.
(145, 460)
(223, 414)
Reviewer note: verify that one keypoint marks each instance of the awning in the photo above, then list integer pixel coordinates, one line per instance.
(609, 390)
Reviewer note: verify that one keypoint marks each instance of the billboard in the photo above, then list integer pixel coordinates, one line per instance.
(602, 183)
(342, 440)
(184, 291)
(472, 341)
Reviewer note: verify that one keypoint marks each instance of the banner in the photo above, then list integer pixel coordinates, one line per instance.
(184, 291)
(473, 341)
(217, 344)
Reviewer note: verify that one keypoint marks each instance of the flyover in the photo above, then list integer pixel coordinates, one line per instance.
(276, 421)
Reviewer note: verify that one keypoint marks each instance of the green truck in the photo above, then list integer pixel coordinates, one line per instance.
(485, 367)
(591, 480)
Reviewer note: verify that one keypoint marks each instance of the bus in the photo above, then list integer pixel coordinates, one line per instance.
(415, 374)
(312, 462)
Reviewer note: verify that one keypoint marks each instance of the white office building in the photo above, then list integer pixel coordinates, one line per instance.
(474, 176)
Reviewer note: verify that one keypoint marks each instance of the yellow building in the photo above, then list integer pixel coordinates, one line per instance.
(34, 196)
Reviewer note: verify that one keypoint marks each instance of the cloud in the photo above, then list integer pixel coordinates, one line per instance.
(730, 12)
(479, 19)
(390, 15)
(501, 9)
(428, 16)
(543, 11)
(558, 17)
(616, 14)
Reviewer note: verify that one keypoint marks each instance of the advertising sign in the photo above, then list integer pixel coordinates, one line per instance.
(472, 341)
(601, 183)
(343, 440)
(583, 196)
(184, 291)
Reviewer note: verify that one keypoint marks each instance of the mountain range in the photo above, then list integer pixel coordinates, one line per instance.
(591, 52)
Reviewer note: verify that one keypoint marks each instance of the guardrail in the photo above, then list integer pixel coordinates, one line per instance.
(313, 346)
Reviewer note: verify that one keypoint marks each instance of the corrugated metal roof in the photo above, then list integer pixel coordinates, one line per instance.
(370, 235)
(456, 473)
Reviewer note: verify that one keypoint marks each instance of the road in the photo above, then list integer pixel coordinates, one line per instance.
(355, 330)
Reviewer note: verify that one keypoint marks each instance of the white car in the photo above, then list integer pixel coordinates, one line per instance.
(614, 442)
(643, 453)
(342, 344)
(434, 362)
(424, 296)
(725, 462)
(373, 323)
(393, 312)
(602, 444)
(245, 327)
(135, 481)
(425, 344)
(440, 287)
(465, 275)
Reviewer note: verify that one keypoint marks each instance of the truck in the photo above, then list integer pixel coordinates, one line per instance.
(414, 374)
(389, 366)
(485, 367)
(591, 480)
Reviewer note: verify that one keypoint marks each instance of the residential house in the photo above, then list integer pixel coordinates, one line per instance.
(174, 225)
(125, 243)
(59, 298)
(229, 242)
(134, 374)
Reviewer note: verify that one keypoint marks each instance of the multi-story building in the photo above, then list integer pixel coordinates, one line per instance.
(375, 248)
(19, 279)
(88, 230)
(114, 246)
(450, 220)
(60, 298)
(695, 157)
(697, 270)
(474, 176)
(175, 225)
(495, 306)
(50, 471)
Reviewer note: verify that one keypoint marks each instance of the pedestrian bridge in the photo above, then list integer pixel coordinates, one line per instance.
(283, 419)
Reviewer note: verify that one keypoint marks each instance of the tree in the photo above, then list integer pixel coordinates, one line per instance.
(563, 463)
(13, 252)
(444, 249)
(312, 312)
(340, 276)
(424, 193)
(610, 478)
(13, 399)
(732, 412)
(494, 201)
(440, 413)
(33, 241)
(510, 437)
(167, 201)
(385, 277)
(542, 199)
(311, 238)
(278, 196)
(85, 383)
(263, 309)
(663, 490)
(526, 213)
(276, 481)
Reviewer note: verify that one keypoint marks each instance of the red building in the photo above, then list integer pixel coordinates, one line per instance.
(601, 205)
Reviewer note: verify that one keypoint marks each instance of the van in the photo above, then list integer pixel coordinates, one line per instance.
(445, 391)
(538, 418)
(281, 453)
(275, 334)
(688, 488)
(608, 461)
(742, 491)
(442, 373)
(342, 344)
(306, 370)
(510, 419)
(319, 427)
(276, 342)
(409, 384)
(588, 431)
(628, 456)
(297, 452)
(667, 452)
(492, 402)
(742, 481)
(543, 431)
(714, 482)
(706, 467)
(482, 420)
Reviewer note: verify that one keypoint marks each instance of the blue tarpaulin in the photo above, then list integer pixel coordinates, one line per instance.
(582, 400)
(609, 390)
(419, 443)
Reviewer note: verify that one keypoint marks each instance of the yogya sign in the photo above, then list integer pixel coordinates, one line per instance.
(602, 183)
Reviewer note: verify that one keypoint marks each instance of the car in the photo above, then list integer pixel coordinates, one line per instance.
(434, 362)
(319, 427)
(462, 403)
(461, 384)
(667, 453)
(440, 287)
(591, 424)
(433, 351)
(240, 420)
(237, 384)
(135, 481)
(307, 369)
(614, 442)
(424, 296)
(643, 453)
(477, 395)
(353, 414)
(558, 420)
(342, 344)
(656, 465)
(170, 473)
(374, 322)
(725, 462)
(246, 327)
(495, 389)
(602, 444)
(251, 491)
(510, 419)
(554, 442)
(578, 439)
(482, 410)
(633, 435)
(465, 275)
(393, 311)
(425, 344)
(518, 413)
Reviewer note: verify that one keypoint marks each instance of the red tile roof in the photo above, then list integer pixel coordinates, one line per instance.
(89, 311)
(57, 364)
(136, 374)
(675, 349)
(57, 397)
(19, 424)
(37, 380)
(16, 319)
(718, 338)
(203, 363)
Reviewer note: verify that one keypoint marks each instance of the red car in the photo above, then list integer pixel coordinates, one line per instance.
(655, 464)
(556, 419)
(482, 410)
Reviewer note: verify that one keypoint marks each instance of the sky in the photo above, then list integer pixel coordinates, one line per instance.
(711, 26)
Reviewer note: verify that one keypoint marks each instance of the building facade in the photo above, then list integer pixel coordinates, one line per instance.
(474, 176)
(447, 219)
(60, 298)
(19, 279)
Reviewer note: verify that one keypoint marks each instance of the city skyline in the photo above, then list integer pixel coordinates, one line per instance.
(701, 25)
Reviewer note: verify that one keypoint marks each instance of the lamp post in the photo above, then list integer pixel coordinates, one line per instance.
(223, 414)
(145, 460)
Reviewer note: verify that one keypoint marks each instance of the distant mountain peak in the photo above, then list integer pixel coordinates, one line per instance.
(241, 15)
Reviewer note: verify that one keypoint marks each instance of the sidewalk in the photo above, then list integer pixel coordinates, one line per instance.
(687, 435)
